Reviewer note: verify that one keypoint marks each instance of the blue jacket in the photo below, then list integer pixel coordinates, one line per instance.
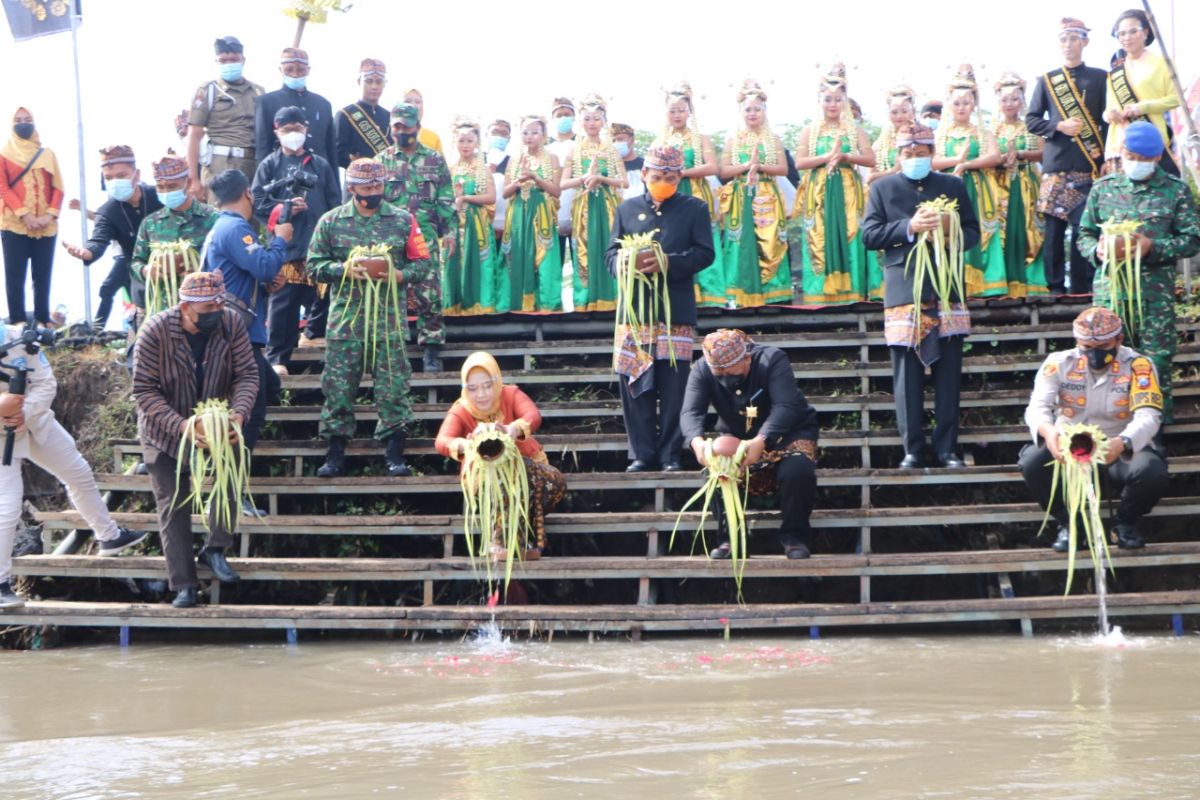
(247, 267)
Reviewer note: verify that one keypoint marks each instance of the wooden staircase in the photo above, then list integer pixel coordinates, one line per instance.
(892, 547)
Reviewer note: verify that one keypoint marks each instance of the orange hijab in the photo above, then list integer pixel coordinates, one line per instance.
(22, 151)
(484, 361)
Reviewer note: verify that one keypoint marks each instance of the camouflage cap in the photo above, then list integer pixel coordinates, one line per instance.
(170, 167)
(405, 114)
(116, 154)
(365, 171)
(1097, 325)
(202, 287)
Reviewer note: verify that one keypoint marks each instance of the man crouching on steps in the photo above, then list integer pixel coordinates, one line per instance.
(351, 345)
(753, 391)
(197, 350)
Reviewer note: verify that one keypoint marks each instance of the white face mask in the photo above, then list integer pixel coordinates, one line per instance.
(1137, 170)
(294, 140)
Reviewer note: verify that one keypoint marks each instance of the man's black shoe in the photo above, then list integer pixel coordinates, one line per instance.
(951, 461)
(431, 361)
(637, 465)
(912, 461)
(1127, 537)
(186, 597)
(796, 550)
(335, 459)
(721, 551)
(214, 559)
(395, 457)
(1063, 543)
(673, 466)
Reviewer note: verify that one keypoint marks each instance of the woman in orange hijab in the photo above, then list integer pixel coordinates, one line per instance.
(31, 196)
(486, 403)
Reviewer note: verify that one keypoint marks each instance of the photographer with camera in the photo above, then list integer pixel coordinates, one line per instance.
(295, 186)
(248, 270)
(32, 432)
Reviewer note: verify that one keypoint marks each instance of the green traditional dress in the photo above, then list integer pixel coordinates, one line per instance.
(756, 266)
(1024, 228)
(530, 244)
(473, 278)
(831, 206)
(592, 212)
(986, 273)
(710, 281)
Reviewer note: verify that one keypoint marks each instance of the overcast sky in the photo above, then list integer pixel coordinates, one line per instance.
(142, 61)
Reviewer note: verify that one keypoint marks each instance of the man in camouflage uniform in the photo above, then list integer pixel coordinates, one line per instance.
(223, 109)
(1100, 383)
(1170, 230)
(365, 220)
(181, 217)
(419, 180)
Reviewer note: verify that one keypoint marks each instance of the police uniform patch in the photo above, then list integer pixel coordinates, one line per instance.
(248, 239)
(1147, 393)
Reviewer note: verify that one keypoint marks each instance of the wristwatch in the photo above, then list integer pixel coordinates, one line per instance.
(1128, 444)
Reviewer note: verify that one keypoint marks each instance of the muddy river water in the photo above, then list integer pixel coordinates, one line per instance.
(853, 717)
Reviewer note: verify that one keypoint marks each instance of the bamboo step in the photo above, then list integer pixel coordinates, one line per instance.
(615, 567)
(658, 522)
(599, 619)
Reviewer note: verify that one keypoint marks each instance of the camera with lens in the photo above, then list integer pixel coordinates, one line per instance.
(295, 183)
(32, 340)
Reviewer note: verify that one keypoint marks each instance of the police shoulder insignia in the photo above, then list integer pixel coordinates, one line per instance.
(1145, 392)
(248, 239)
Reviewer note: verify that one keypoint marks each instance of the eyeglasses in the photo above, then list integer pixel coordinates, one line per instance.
(1129, 32)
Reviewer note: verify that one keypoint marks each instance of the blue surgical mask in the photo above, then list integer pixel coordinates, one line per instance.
(916, 168)
(498, 143)
(1138, 170)
(232, 72)
(564, 124)
(295, 84)
(173, 200)
(622, 149)
(931, 123)
(119, 189)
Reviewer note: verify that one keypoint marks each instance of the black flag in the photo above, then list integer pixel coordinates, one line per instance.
(32, 18)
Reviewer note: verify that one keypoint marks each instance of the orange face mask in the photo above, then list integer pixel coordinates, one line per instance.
(662, 191)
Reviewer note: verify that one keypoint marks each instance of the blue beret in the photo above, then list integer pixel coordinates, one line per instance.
(1144, 139)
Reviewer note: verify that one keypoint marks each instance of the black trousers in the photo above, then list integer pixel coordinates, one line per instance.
(1142, 481)
(652, 418)
(22, 255)
(283, 320)
(796, 487)
(317, 318)
(175, 523)
(116, 280)
(1082, 269)
(269, 388)
(908, 382)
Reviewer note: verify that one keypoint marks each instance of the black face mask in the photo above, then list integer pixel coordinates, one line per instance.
(23, 130)
(370, 201)
(208, 321)
(1100, 359)
(405, 140)
(731, 382)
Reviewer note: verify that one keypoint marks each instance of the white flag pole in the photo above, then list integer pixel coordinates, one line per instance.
(83, 206)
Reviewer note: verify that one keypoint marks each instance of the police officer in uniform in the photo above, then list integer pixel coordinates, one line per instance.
(224, 110)
(1101, 383)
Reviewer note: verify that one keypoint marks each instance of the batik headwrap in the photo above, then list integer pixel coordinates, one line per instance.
(726, 347)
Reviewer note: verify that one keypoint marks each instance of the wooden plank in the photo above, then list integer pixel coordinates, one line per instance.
(613, 522)
(594, 618)
(613, 567)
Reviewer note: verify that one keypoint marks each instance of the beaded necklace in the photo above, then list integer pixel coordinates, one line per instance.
(1011, 131)
(956, 131)
(595, 150)
(843, 129)
(883, 149)
(690, 138)
(749, 142)
(475, 168)
(541, 167)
